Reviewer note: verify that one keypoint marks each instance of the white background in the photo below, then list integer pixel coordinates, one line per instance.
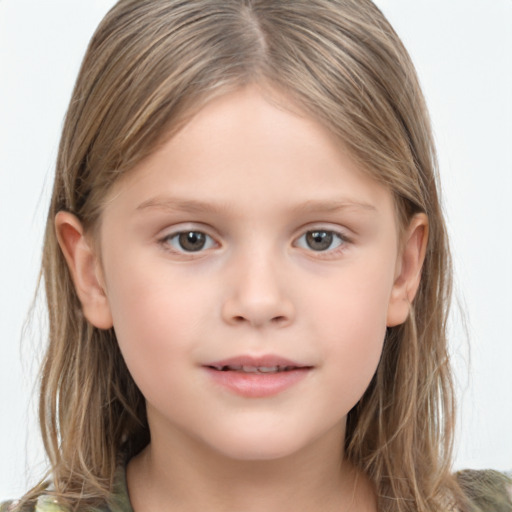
(463, 53)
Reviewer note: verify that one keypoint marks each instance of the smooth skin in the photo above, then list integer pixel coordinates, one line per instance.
(249, 232)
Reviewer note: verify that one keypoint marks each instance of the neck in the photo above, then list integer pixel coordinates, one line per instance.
(183, 476)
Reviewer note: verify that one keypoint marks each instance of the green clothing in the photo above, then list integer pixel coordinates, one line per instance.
(488, 491)
(119, 502)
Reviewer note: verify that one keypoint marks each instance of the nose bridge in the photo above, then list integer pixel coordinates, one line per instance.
(258, 293)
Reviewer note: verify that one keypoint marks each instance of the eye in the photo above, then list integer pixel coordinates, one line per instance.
(320, 240)
(189, 241)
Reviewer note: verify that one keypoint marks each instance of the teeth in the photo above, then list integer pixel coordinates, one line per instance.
(254, 369)
(269, 369)
(250, 369)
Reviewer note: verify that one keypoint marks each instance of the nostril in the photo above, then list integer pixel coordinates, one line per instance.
(239, 319)
(270, 310)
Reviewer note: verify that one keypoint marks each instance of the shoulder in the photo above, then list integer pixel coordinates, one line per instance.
(487, 490)
(118, 501)
(47, 503)
(44, 503)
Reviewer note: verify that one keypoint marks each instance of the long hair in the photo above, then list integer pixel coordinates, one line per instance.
(150, 66)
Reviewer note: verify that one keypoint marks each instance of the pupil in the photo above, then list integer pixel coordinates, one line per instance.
(319, 240)
(192, 241)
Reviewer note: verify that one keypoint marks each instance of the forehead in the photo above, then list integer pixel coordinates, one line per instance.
(251, 147)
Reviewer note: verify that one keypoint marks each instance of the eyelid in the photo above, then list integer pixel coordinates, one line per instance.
(342, 231)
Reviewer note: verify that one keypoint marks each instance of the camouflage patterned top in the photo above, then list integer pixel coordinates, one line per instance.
(119, 501)
(488, 491)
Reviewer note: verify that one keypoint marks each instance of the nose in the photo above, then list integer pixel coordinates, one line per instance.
(258, 293)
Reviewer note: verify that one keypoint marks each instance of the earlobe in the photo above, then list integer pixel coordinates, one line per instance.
(85, 269)
(408, 277)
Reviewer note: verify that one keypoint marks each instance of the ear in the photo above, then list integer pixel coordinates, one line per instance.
(85, 269)
(408, 275)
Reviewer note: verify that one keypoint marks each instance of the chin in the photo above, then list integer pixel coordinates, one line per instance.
(256, 453)
(256, 445)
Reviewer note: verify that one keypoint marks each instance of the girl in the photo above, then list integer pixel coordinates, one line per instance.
(247, 270)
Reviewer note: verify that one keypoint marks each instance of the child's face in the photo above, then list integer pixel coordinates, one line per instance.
(250, 238)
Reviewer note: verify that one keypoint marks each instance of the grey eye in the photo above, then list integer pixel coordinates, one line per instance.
(320, 240)
(190, 241)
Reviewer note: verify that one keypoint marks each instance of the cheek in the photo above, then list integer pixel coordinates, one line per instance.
(157, 319)
(354, 302)
(352, 321)
(355, 343)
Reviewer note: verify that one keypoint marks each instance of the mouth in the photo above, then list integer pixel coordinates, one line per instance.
(254, 369)
(263, 364)
(257, 377)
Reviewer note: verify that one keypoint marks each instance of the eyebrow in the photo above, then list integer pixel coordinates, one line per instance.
(194, 206)
(182, 205)
(332, 206)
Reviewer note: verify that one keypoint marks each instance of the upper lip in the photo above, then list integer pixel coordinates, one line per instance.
(265, 361)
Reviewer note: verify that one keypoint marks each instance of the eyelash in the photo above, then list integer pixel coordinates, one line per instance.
(209, 242)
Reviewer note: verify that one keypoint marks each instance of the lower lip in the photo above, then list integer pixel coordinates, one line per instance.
(257, 385)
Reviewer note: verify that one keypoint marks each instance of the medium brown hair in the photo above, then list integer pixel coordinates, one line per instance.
(151, 65)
